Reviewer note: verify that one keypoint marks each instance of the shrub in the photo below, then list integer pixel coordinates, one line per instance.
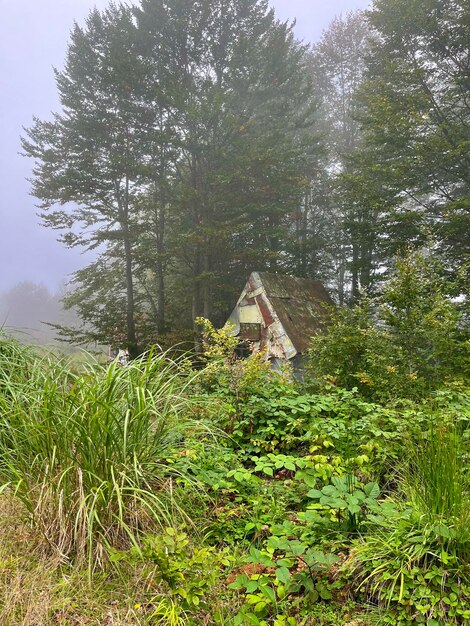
(402, 344)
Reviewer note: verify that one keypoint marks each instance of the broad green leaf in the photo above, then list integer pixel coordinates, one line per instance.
(372, 490)
(268, 592)
(283, 574)
(314, 493)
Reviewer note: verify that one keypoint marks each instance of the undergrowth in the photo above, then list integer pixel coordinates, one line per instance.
(153, 494)
(86, 453)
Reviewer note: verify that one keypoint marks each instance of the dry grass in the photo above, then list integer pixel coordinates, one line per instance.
(38, 590)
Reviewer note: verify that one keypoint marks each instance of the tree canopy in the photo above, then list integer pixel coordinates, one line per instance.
(199, 141)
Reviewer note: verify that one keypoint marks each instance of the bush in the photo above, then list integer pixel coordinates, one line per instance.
(402, 344)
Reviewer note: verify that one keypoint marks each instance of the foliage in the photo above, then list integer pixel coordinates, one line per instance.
(347, 495)
(310, 506)
(413, 559)
(437, 481)
(238, 381)
(412, 171)
(410, 568)
(234, 147)
(343, 241)
(285, 567)
(85, 453)
(211, 110)
(413, 345)
(183, 575)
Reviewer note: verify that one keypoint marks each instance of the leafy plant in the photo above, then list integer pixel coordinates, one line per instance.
(410, 568)
(283, 568)
(413, 559)
(405, 342)
(347, 496)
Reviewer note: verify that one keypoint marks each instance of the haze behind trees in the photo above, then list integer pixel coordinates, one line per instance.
(27, 309)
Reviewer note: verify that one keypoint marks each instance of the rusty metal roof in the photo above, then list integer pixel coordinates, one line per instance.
(300, 303)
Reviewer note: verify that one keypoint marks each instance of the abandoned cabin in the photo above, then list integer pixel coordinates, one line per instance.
(279, 314)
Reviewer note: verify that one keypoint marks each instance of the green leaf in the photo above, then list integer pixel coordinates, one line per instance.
(325, 593)
(296, 548)
(268, 592)
(354, 508)
(314, 493)
(240, 582)
(283, 574)
(313, 595)
(259, 608)
(442, 530)
(281, 592)
(252, 586)
(372, 490)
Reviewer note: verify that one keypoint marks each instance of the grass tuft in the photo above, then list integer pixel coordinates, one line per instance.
(86, 453)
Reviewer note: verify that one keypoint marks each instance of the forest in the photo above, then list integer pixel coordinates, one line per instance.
(199, 141)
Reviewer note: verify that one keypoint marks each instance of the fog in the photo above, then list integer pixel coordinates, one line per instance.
(33, 40)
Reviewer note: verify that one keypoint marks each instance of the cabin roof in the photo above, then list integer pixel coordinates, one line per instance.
(300, 304)
(291, 310)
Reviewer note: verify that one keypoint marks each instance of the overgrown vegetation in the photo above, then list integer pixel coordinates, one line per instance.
(204, 489)
(404, 342)
(230, 494)
(85, 453)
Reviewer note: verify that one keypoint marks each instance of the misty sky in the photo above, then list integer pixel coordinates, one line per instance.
(33, 39)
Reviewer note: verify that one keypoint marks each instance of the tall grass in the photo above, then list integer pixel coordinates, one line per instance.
(85, 453)
(437, 479)
(416, 553)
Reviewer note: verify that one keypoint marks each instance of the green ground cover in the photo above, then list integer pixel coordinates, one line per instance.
(227, 495)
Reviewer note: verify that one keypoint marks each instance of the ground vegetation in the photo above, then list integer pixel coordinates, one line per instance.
(218, 491)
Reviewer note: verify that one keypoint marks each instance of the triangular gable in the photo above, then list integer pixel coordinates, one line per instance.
(288, 311)
(254, 307)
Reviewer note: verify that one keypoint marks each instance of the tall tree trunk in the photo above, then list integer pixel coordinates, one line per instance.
(123, 205)
(160, 270)
(341, 275)
(132, 345)
(355, 293)
(206, 289)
